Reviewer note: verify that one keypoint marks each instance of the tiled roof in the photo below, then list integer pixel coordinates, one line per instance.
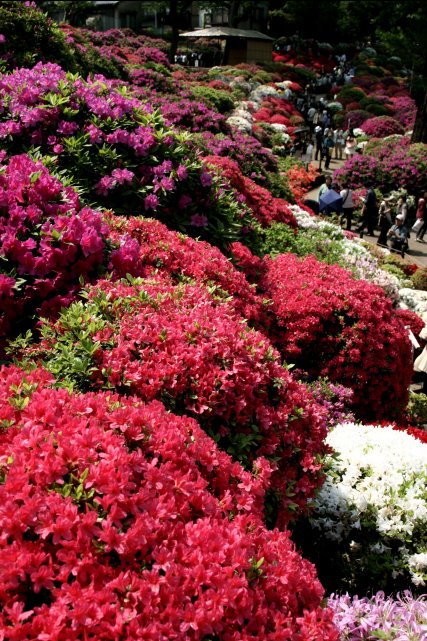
(225, 32)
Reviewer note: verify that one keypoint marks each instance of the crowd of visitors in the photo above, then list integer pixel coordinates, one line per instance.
(391, 219)
(320, 141)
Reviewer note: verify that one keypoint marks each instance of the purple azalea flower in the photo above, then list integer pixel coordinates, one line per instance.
(184, 201)
(123, 176)
(151, 202)
(198, 220)
(182, 172)
(168, 184)
(206, 179)
(104, 185)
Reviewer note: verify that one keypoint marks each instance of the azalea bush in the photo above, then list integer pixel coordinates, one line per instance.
(255, 161)
(219, 100)
(358, 170)
(264, 207)
(188, 112)
(299, 178)
(329, 324)
(351, 93)
(119, 53)
(117, 152)
(417, 411)
(390, 163)
(369, 526)
(145, 247)
(105, 506)
(419, 279)
(187, 348)
(49, 243)
(379, 616)
(281, 239)
(355, 118)
(30, 35)
(404, 110)
(384, 147)
(382, 126)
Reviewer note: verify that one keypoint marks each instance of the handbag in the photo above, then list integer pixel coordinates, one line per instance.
(417, 225)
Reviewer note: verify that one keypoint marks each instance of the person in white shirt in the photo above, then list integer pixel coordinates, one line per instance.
(402, 208)
(347, 205)
(339, 143)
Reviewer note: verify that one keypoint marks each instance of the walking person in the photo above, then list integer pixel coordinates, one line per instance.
(347, 205)
(384, 222)
(402, 208)
(350, 145)
(421, 215)
(325, 120)
(369, 213)
(339, 143)
(310, 116)
(318, 133)
(328, 145)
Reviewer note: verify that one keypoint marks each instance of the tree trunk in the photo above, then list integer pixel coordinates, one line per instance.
(419, 133)
(233, 18)
(175, 30)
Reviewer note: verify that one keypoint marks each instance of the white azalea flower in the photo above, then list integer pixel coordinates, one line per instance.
(240, 123)
(376, 482)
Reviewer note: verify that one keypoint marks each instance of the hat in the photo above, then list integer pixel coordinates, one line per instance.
(318, 129)
(400, 217)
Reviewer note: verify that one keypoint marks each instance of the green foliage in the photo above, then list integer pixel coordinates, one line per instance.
(351, 94)
(377, 110)
(282, 239)
(278, 185)
(75, 11)
(219, 100)
(264, 77)
(32, 36)
(72, 353)
(417, 409)
(338, 119)
(369, 101)
(419, 279)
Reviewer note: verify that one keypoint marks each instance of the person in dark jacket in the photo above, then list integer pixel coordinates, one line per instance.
(369, 213)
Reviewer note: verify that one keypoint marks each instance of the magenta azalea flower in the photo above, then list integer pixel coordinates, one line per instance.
(151, 202)
(198, 220)
(206, 179)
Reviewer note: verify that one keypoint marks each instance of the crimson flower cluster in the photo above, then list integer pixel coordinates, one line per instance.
(147, 246)
(278, 111)
(112, 510)
(329, 324)
(47, 242)
(263, 205)
(180, 345)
